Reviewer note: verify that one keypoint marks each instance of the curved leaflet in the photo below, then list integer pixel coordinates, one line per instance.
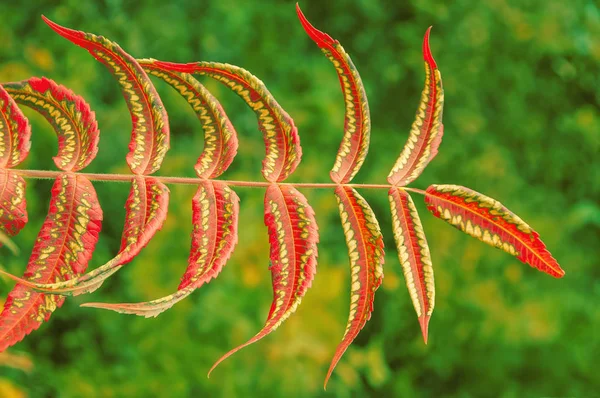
(62, 250)
(150, 134)
(283, 151)
(15, 132)
(70, 116)
(365, 248)
(293, 237)
(489, 221)
(146, 211)
(215, 219)
(220, 138)
(426, 132)
(357, 123)
(414, 256)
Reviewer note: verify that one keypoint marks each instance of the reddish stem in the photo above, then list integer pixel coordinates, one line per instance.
(47, 174)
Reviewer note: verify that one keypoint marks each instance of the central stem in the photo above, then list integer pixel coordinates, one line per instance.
(47, 174)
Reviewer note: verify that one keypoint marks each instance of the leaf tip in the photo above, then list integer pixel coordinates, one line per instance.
(53, 25)
(424, 322)
(213, 367)
(322, 39)
(559, 273)
(427, 50)
(329, 372)
(69, 34)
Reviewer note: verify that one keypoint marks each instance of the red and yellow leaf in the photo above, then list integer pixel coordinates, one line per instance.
(489, 221)
(365, 248)
(357, 125)
(70, 116)
(283, 151)
(220, 138)
(145, 213)
(414, 256)
(150, 134)
(13, 206)
(215, 219)
(426, 132)
(15, 132)
(62, 250)
(293, 237)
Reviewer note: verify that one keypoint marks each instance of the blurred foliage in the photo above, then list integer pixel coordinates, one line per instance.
(522, 124)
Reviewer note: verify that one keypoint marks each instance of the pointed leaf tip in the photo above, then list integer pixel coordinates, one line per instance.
(427, 50)
(67, 33)
(424, 322)
(321, 38)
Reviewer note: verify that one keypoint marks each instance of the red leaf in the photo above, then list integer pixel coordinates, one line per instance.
(15, 132)
(413, 252)
(220, 138)
(146, 210)
(70, 116)
(293, 236)
(365, 248)
(150, 135)
(13, 206)
(489, 221)
(357, 125)
(62, 250)
(426, 132)
(283, 151)
(215, 219)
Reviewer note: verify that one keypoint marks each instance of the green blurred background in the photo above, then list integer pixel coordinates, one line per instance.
(522, 124)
